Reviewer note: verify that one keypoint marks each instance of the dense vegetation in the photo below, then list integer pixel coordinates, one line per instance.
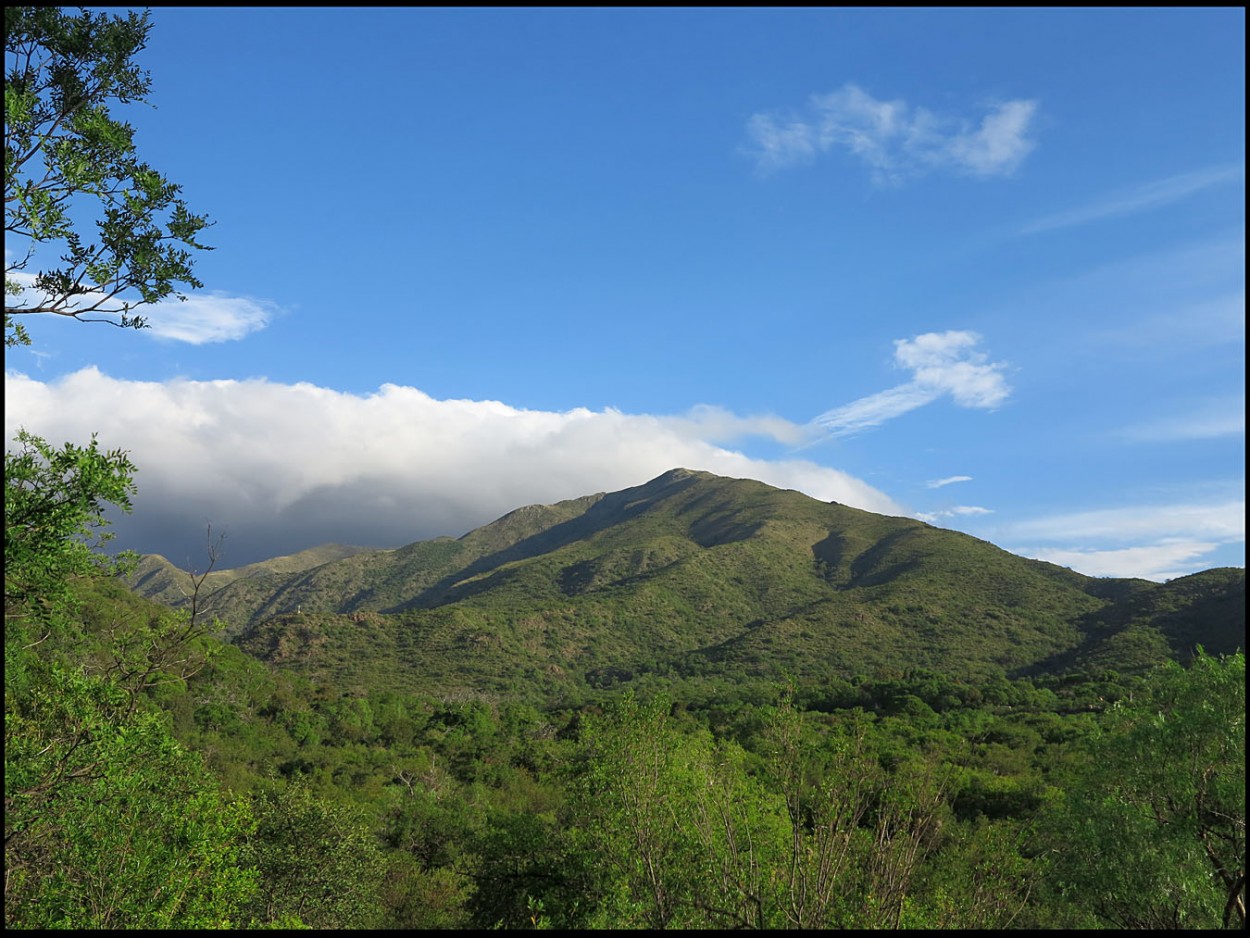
(702, 703)
(160, 776)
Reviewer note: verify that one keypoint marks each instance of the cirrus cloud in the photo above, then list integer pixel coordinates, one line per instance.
(1143, 198)
(1223, 417)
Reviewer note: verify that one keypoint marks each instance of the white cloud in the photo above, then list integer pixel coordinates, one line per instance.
(956, 511)
(282, 467)
(1154, 542)
(1158, 562)
(1140, 199)
(999, 144)
(948, 363)
(942, 363)
(200, 319)
(781, 144)
(949, 480)
(875, 409)
(893, 138)
(1224, 521)
(715, 424)
(205, 318)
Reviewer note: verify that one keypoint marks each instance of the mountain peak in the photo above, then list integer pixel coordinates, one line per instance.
(674, 475)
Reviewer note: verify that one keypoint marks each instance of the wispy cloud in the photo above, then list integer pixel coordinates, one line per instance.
(957, 511)
(200, 319)
(1154, 542)
(894, 139)
(942, 363)
(1188, 324)
(1223, 520)
(1140, 199)
(876, 409)
(1158, 562)
(949, 480)
(1223, 418)
(280, 467)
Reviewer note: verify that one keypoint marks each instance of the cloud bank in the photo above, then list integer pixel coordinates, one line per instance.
(942, 363)
(279, 468)
(895, 140)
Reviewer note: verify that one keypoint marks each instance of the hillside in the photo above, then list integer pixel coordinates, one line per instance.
(157, 578)
(699, 578)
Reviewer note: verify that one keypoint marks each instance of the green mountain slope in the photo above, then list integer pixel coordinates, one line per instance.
(157, 578)
(695, 577)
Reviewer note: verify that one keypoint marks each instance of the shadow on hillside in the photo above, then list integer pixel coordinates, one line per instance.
(1207, 608)
(610, 510)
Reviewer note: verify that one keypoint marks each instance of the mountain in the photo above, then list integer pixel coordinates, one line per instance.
(157, 578)
(694, 577)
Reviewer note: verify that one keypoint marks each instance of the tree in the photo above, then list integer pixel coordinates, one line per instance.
(317, 860)
(65, 155)
(858, 834)
(109, 822)
(1152, 833)
(681, 836)
(54, 502)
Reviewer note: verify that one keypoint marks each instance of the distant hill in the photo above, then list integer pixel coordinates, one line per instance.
(157, 578)
(699, 578)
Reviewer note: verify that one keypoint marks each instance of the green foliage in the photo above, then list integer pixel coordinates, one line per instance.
(413, 897)
(65, 154)
(316, 859)
(526, 871)
(983, 879)
(859, 809)
(863, 820)
(109, 823)
(54, 501)
(1151, 831)
(681, 837)
(407, 779)
(834, 828)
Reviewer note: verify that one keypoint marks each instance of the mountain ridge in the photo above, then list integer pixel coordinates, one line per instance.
(697, 575)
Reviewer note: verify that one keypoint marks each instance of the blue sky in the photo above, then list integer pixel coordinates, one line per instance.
(985, 268)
